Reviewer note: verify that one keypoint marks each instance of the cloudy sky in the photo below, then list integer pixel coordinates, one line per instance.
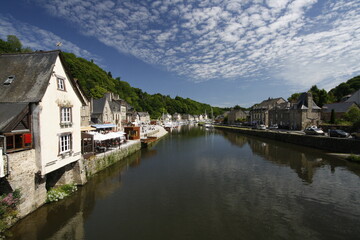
(221, 52)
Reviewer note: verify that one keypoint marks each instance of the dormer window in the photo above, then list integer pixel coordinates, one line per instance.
(9, 80)
(61, 83)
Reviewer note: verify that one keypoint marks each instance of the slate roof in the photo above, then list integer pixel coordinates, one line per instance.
(32, 73)
(302, 102)
(341, 107)
(266, 104)
(9, 112)
(98, 105)
(355, 97)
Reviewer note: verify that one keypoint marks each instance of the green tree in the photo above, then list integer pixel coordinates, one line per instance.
(353, 115)
(14, 42)
(332, 116)
(320, 97)
(294, 97)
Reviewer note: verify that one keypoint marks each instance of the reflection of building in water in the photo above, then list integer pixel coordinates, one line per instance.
(74, 228)
(303, 163)
(236, 139)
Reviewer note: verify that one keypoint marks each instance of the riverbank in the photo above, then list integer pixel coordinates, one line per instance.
(79, 173)
(334, 145)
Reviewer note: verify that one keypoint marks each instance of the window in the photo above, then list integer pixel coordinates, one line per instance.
(65, 115)
(61, 84)
(65, 143)
(16, 142)
(9, 80)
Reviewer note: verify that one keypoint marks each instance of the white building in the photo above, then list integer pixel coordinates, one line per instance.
(41, 84)
(40, 109)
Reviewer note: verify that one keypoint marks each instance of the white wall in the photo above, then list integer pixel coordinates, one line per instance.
(49, 120)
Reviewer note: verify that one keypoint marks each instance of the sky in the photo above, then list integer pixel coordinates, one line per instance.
(220, 52)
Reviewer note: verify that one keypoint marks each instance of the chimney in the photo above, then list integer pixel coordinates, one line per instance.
(309, 100)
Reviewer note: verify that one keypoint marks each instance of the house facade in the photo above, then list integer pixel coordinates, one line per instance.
(176, 117)
(40, 120)
(297, 116)
(259, 114)
(235, 115)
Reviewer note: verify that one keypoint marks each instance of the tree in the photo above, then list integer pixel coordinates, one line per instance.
(320, 97)
(294, 97)
(332, 116)
(353, 115)
(14, 42)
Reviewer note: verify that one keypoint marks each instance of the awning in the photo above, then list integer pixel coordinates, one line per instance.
(103, 137)
(87, 129)
(101, 126)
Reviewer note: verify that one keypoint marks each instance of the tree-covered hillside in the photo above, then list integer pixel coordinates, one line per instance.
(95, 82)
(321, 96)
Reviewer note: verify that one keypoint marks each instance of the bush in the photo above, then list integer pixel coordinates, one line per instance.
(56, 194)
(8, 204)
(353, 158)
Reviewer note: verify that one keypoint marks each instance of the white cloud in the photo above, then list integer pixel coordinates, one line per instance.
(39, 39)
(288, 40)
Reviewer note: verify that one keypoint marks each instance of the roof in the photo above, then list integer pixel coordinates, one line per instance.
(115, 106)
(355, 97)
(268, 103)
(32, 73)
(341, 107)
(10, 113)
(98, 105)
(302, 102)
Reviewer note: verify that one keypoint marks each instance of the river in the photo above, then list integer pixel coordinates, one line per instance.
(209, 184)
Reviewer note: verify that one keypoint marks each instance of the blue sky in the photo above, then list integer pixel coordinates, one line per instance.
(220, 52)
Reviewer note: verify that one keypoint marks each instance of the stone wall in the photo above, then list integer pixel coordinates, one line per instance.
(338, 145)
(103, 160)
(24, 175)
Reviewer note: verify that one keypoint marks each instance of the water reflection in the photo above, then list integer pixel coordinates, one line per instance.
(196, 185)
(65, 219)
(304, 161)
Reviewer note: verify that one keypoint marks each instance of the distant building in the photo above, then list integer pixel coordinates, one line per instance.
(259, 113)
(297, 115)
(166, 117)
(235, 115)
(176, 117)
(109, 109)
(339, 109)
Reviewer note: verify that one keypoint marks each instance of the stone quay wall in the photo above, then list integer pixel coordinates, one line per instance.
(337, 145)
(101, 161)
(24, 176)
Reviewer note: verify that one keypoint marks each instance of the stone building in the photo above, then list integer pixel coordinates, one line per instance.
(139, 117)
(259, 113)
(236, 115)
(109, 109)
(40, 126)
(176, 117)
(340, 109)
(297, 115)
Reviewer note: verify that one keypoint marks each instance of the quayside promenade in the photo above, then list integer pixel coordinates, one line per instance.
(333, 145)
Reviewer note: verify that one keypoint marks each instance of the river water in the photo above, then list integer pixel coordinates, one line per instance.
(209, 184)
